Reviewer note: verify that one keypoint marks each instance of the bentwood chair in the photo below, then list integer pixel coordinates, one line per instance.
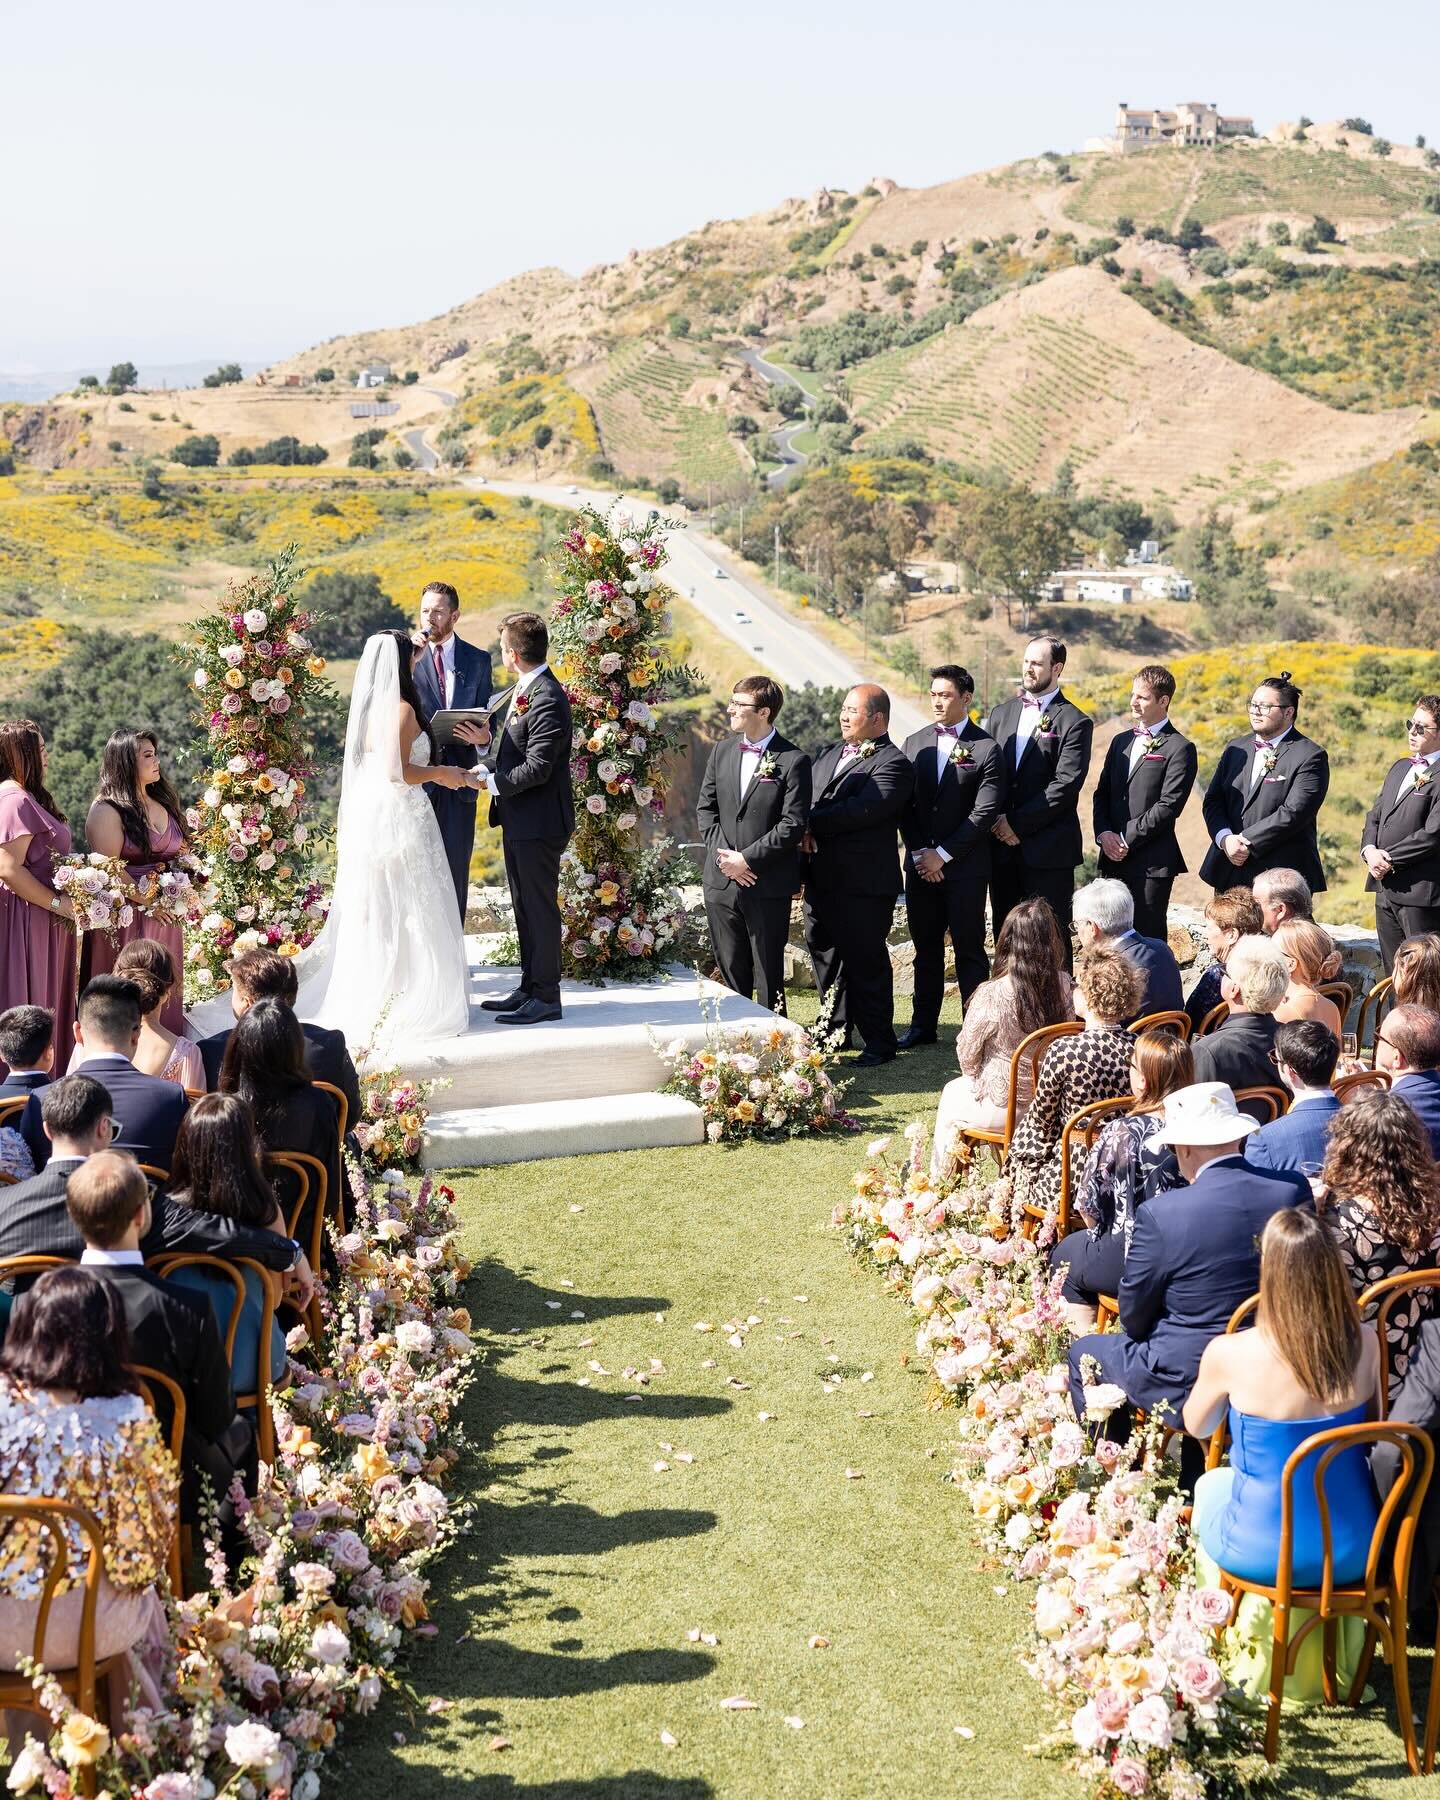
(1346, 1087)
(1270, 1100)
(1378, 1598)
(312, 1179)
(11, 1106)
(1178, 1022)
(1081, 1130)
(342, 1107)
(1385, 1296)
(15, 1267)
(155, 1173)
(85, 1681)
(1341, 993)
(1243, 1315)
(1032, 1050)
(232, 1272)
(153, 1384)
(1377, 1002)
(1216, 1016)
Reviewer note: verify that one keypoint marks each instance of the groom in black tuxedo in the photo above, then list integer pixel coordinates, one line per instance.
(1148, 774)
(533, 802)
(451, 674)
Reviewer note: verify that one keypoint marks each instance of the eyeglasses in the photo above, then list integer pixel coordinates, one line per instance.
(739, 706)
(1266, 706)
(115, 1126)
(1383, 1040)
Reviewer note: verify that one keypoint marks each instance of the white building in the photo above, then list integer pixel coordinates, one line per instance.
(1192, 122)
(373, 375)
(1116, 589)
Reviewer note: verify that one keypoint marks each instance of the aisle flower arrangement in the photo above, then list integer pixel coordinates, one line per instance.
(262, 1676)
(607, 631)
(759, 1085)
(391, 1131)
(1125, 1640)
(255, 674)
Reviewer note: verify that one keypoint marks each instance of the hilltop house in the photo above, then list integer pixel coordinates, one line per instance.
(1192, 122)
(374, 375)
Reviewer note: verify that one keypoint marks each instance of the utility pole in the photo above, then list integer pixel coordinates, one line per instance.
(777, 555)
(742, 527)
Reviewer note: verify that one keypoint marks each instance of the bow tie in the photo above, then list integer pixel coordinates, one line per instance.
(849, 751)
(1030, 701)
(1419, 762)
(947, 731)
(749, 749)
(1262, 743)
(1145, 731)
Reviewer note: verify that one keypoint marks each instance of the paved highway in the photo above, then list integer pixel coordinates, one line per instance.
(425, 457)
(791, 459)
(702, 570)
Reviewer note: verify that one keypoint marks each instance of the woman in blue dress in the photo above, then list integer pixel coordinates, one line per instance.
(1308, 1365)
(217, 1170)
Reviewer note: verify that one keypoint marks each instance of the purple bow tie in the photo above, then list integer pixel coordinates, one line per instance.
(1262, 743)
(947, 731)
(849, 751)
(1031, 702)
(1142, 731)
(1419, 761)
(748, 749)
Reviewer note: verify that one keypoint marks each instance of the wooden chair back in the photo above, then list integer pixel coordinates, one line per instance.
(1032, 1050)
(342, 1105)
(1178, 1022)
(1379, 1599)
(7, 1180)
(1081, 1130)
(153, 1383)
(316, 1186)
(259, 1399)
(13, 1266)
(1378, 1001)
(1271, 1100)
(1216, 1016)
(1346, 1087)
(11, 1105)
(1384, 1296)
(1341, 993)
(1220, 1436)
(156, 1174)
(84, 1683)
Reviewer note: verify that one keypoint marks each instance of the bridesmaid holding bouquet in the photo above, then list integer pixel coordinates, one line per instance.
(37, 940)
(137, 817)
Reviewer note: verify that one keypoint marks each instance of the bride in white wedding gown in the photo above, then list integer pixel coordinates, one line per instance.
(392, 944)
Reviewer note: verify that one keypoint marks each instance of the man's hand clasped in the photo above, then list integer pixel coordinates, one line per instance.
(733, 864)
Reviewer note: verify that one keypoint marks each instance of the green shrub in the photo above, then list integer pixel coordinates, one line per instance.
(197, 452)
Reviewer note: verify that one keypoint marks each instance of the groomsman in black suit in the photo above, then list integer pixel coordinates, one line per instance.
(452, 674)
(1264, 797)
(753, 807)
(1044, 744)
(852, 870)
(1148, 774)
(1401, 840)
(531, 799)
(958, 793)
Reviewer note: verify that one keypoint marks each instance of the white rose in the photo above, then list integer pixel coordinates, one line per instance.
(329, 1645)
(27, 1770)
(237, 765)
(212, 797)
(1054, 1612)
(256, 621)
(201, 678)
(415, 1335)
(251, 1745)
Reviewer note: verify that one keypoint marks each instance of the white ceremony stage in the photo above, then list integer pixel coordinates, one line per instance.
(585, 1083)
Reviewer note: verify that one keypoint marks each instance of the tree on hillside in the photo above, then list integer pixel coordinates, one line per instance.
(197, 452)
(358, 607)
(122, 376)
(225, 376)
(324, 374)
(1403, 609)
(1011, 541)
(850, 540)
(789, 401)
(812, 717)
(1362, 126)
(1232, 585)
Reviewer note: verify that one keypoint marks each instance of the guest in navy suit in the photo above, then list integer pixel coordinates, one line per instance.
(1193, 1254)
(1105, 914)
(1305, 1052)
(147, 1108)
(1407, 1048)
(452, 674)
(27, 1049)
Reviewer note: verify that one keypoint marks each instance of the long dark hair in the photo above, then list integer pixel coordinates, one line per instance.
(120, 786)
(21, 760)
(68, 1331)
(405, 650)
(216, 1162)
(1029, 951)
(265, 1061)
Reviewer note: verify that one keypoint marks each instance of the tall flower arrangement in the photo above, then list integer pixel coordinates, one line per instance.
(621, 905)
(255, 675)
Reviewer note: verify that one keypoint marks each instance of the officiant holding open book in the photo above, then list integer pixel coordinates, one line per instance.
(451, 676)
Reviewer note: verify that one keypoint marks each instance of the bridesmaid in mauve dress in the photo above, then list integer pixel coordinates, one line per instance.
(37, 944)
(136, 816)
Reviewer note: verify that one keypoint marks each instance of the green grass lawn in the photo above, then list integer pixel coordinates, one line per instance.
(563, 1617)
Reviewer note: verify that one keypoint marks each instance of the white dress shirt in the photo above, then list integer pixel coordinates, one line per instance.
(447, 659)
(1409, 778)
(1137, 744)
(115, 1259)
(1030, 718)
(1256, 775)
(749, 762)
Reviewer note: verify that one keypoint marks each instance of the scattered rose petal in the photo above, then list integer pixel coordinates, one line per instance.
(736, 1340)
(661, 1467)
(930, 1454)
(854, 1475)
(738, 1703)
(659, 1318)
(670, 1742)
(554, 1305)
(819, 1643)
(709, 1637)
(827, 1340)
(598, 1368)
(684, 1456)
(735, 1382)
(964, 1731)
(586, 1342)
(866, 1414)
(754, 1319)
(692, 1636)
(575, 1209)
(656, 1366)
(567, 1284)
(496, 1743)
(437, 1706)
(832, 1357)
(399, 1736)
(764, 1418)
(709, 1363)
(667, 1448)
(1000, 1589)
(583, 1381)
(794, 1723)
(804, 1299)
(634, 1396)
(869, 1375)
(577, 1315)
(702, 1325)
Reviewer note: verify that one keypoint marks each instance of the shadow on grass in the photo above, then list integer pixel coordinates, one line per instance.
(501, 1297)
(635, 1784)
(496, 1670)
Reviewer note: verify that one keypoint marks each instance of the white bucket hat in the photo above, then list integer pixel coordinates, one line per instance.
(1203, 1114)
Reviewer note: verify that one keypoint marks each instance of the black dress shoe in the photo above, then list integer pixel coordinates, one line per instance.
(915, 1036)
(533, 1012)
(511, 1002)
(872, 1059)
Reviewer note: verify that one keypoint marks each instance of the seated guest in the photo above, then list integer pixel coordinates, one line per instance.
(149, 964)
(170, 1330)
(1308, 1366)
(27, 1047)
(265, 1065)
(1417, 1402)
(1123, 1171)
(1193, 1254)
(1308, 951)
(1414, 976)
(1237, 1051)
(1305, 1054)
(148, 1109)
(1282, 894)
(264, 975)
(74, 1428)
(1104, 913)
(1229, 916)
(78, 1124)
(1407, 1049)
(1092, 1065)
(217, 1171)
(16, 1162)
(1380, 1194)
(1028, 989)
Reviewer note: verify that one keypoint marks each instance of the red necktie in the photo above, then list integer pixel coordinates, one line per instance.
(440, 672)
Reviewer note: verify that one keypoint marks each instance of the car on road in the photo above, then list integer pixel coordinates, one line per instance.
(717, 572)
(757, 649)
(742, 618)
(572, 489)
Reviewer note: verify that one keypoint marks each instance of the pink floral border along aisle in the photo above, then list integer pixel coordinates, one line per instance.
(1124, 1638)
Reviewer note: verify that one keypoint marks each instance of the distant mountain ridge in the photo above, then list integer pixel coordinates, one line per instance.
(45, 384)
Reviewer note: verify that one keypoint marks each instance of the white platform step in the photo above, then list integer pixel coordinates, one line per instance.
(477, 1136)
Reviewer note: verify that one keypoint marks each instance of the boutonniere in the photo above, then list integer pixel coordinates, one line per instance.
(1045, 725)
(1422, 777)
(767, 768)
(1268, 760)
(960, 753)
(522, 705)
(865, 750)
(1151, 744)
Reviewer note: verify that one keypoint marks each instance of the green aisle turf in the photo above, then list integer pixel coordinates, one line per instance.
(563, 1617)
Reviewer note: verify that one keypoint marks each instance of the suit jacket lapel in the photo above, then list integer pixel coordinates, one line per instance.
(1398, 774)
(425, 681)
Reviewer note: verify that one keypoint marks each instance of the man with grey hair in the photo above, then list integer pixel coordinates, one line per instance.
(1105, 914)
(1282, 894)
(1237, 1052)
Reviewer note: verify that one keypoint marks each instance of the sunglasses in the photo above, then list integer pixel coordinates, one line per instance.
(1418, 726)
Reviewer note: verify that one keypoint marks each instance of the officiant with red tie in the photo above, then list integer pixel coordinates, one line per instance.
(1401, 840)
(958, 793)
(1148, 774)
(852, 870)
(451, 675)
(1265, 795)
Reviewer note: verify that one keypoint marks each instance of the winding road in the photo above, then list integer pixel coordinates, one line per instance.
(791, 459)
(425, 457)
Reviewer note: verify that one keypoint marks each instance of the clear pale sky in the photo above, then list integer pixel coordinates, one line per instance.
(241, 181)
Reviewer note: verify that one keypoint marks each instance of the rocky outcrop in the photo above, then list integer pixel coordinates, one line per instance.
(447, 353)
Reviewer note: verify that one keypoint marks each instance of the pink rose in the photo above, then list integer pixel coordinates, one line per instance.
(1129, 1776)
(1112, 1708)
(1210, 1607)
(1199, 1679)
(1151, 1723)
